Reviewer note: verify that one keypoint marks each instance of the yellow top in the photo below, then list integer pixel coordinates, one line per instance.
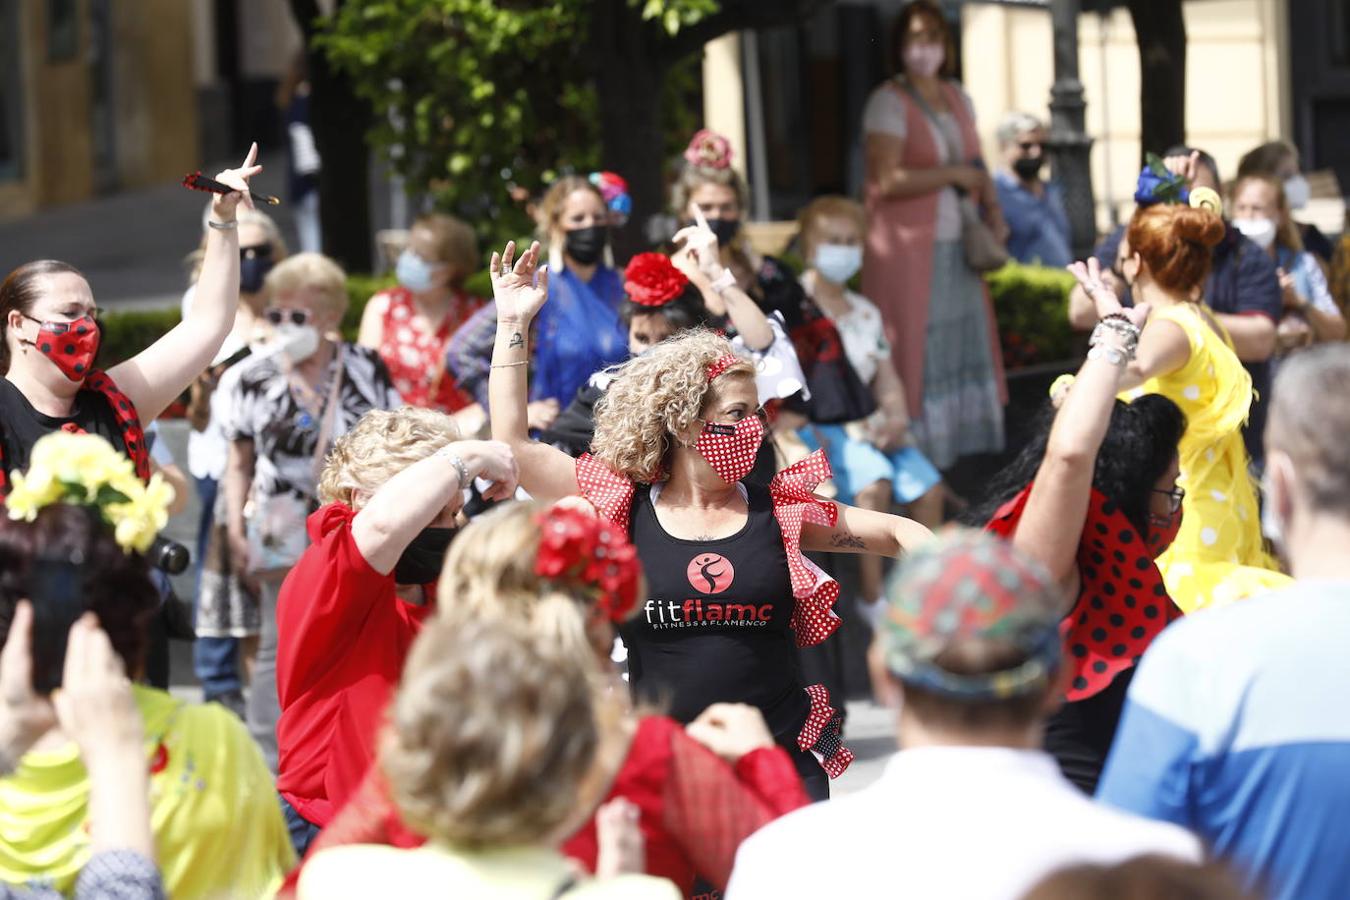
(1219, 555)
(214, 813)
(513, 873)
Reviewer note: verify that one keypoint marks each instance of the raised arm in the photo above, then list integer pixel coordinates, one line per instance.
(412, 499)
(699, 260)
(153, 378)
(865, 531)
(1051, 525)
(546, 472)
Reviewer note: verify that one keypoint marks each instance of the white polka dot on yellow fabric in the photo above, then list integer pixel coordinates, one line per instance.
(1208, 536)
(1219, 496)
(1191, 392)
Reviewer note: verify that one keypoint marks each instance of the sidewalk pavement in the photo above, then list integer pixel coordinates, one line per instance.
(131, 245)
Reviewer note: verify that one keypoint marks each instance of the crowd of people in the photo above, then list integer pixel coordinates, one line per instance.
(508, 597)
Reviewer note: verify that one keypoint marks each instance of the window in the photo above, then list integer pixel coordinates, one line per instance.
(11, 95)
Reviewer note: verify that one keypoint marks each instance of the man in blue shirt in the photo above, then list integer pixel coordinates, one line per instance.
(1236, 725)
(1242, 289)
(1038, 227)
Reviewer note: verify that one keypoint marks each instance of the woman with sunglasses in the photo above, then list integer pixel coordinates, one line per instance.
(49, 340)
(730, 595)
(285, 410)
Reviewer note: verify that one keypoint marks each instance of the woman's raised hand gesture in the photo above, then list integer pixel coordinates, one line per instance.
(224, 205)
(1089, 275)
(518, 292)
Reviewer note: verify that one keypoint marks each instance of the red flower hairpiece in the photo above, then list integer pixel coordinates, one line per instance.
(651, 279)
(580, 547)
(721, 364)
(708, 150)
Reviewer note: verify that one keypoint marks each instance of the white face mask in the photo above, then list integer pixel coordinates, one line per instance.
(1260, 232)
(1271, 526)
(298, 342)
(838, 263)
(1297, 191)
(924, 60)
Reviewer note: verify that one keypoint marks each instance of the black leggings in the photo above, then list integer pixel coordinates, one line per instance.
(1079, 735)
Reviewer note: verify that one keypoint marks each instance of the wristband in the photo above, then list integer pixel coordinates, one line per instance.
(725, 280)
(453, 458)
(223, 226)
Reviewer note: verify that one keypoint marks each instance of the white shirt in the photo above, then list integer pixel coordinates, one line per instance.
(864, 335)
(977, 823)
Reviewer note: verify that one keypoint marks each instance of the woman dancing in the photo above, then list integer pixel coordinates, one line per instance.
(728, 585)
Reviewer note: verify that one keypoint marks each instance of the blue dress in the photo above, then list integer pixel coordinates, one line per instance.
(579, 333)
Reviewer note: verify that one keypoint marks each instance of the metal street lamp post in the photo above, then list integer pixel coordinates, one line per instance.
(1069, 144)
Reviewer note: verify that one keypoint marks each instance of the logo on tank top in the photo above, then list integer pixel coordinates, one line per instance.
(710, 573)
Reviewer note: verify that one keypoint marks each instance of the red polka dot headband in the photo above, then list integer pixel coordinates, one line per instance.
(721, 364)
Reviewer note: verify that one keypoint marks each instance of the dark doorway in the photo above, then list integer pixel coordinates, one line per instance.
(1319, 38)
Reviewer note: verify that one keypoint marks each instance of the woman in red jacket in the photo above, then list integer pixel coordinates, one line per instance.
(699, 790)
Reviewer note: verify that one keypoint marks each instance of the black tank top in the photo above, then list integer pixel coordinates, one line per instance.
(715, 627)
(21, 425)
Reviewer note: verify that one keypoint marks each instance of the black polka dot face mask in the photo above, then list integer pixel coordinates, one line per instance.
(71, 346)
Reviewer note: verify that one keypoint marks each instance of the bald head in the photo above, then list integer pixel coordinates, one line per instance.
(1310, 424)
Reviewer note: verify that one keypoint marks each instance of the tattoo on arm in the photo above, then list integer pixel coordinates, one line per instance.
(844, 539)
(516, 341)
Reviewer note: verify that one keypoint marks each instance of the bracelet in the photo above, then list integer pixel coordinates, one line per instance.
(725, 280)
(1122, 329)
(1114, 355)
(454, 459)
(223, 226)
(510, 365)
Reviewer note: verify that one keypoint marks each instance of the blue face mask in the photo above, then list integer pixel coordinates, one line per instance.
(413, 272)
(838, 262)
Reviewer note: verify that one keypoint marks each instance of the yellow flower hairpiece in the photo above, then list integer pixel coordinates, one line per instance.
(85, 470)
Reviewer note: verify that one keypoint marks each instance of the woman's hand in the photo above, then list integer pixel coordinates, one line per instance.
(542, 414)
(1289, 291)
(26, 715)
(888, 432)
(622, 849)
(731, 730)
(95, 705)
(518, 293)
(224, 206)
(491, 461)
(1089, 277)
(970, 179)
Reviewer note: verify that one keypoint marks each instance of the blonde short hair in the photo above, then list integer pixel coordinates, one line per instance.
(382, 444)
(313, 272)
(456, 244)
(493, 734)
(694, 177)
(245, 216)
(654, 397)
(828, 207)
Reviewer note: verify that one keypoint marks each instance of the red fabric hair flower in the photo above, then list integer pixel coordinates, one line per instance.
(651, 279)
(592, 553)
(708, 150)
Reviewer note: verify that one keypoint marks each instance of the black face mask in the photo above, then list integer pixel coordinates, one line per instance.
(586, 244)
(252, 271)
(422, 561)
(725, 230)
(1028, 167)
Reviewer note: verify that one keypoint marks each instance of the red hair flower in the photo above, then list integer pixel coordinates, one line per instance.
(708, 150)
(651, 279)
(591, 552)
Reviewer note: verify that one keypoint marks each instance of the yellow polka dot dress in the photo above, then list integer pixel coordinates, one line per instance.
(1218, 556)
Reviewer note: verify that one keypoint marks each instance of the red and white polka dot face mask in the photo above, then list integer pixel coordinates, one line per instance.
(71, 346)
(731, 449)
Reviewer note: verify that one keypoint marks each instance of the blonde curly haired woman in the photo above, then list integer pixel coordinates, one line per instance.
(728, 586)
(694, 808)
(350, 608)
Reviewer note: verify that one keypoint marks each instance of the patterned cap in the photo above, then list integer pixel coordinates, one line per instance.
(971, 586)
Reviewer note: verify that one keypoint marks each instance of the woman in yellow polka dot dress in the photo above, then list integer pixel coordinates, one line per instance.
(1184, 354)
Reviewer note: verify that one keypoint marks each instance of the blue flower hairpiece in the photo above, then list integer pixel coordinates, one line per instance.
(1157, 185)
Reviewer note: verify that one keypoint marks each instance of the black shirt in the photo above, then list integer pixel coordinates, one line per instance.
(21, 425)
(715, 628)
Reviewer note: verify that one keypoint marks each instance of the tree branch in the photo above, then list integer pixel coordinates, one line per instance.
(737, 15)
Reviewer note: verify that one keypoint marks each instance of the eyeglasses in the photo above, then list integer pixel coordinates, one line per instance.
(57, 327)
(277, 316)
(1174, 498)
(1028, 146)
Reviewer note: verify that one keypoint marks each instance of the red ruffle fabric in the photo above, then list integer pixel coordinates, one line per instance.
(794, 505)
(1123, 603)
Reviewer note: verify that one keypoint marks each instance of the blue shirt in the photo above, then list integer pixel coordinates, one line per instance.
(1237, 728)
(1038, 226)
(1242, 281)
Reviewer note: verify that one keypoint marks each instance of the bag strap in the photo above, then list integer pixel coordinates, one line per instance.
(330, 411)
(953, 147)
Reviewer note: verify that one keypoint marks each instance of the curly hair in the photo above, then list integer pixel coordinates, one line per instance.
(117, 585)
(1141, 442)
(654, 397)
(383, 443)
(492, 735)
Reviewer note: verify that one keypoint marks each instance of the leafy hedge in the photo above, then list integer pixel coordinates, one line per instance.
(1030, 303)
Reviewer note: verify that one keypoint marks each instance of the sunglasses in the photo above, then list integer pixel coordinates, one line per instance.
(256, 251)
(1028, 146)
(1174, 498)
(277, 316)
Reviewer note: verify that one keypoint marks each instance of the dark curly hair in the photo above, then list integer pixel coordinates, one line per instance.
(1140, 444)
(685, 311)
(117, 585)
